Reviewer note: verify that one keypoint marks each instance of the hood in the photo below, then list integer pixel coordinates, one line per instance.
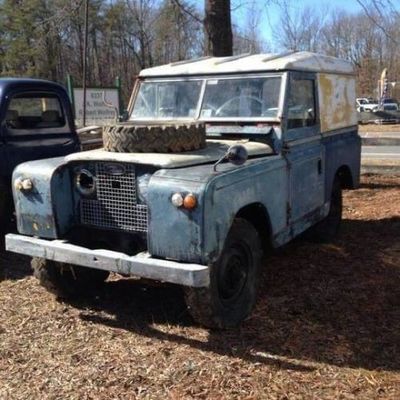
(213, 151)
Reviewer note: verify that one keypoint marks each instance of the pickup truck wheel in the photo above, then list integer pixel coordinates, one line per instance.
(233, 281)
(6, 207)
(66, 280)
(163, 138)
(3, 202)
(326, 230)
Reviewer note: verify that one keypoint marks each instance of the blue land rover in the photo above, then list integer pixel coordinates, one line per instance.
(221, 158)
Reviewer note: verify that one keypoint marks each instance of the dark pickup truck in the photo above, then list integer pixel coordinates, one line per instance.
(36, 122)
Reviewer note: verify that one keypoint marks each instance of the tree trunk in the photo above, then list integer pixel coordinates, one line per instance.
(218, 28)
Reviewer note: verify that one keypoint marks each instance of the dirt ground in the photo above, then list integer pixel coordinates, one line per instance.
(327, 326)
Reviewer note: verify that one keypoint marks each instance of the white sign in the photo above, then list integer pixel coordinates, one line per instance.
(102, 106)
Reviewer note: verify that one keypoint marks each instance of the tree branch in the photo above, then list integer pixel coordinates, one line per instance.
(188, 12)
(374, 21)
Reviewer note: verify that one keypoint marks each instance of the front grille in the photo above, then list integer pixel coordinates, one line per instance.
(116, 204)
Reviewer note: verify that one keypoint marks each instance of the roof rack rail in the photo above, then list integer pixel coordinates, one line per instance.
(232, 58)
(279, 55)
(173, 64)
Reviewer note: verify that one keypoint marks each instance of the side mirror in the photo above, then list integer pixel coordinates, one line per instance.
(236, 154)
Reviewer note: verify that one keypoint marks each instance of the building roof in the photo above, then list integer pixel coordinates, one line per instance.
(299, 61)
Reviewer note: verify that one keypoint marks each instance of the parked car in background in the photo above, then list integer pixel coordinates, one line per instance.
(36, 122)
(390, 105)
(367, 104)
(221, 160)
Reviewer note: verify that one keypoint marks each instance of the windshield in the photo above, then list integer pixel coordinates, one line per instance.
(167, 99)
(254, 97)
(30, 110)
(208, 99)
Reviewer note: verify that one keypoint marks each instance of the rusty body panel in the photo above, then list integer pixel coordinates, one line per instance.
(336, 101)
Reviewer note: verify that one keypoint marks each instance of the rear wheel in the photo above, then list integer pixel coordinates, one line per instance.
(233, 281)
(326, 230)
(67, 280)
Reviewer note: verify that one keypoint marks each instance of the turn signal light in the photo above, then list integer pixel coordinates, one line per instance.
(190, 201)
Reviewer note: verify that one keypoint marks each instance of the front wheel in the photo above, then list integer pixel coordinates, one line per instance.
(6, 207)
(233, 280)
(66, 280)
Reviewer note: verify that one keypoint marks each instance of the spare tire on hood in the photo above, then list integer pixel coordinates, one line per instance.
(154, 138)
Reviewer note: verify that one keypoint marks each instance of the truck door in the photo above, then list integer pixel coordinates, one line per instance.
(35, 126)
(303, 148)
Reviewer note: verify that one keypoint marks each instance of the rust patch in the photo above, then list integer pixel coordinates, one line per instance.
(337, 101)
(325, 99)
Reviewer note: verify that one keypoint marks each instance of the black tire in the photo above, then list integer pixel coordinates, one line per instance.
(3, 201)
(233, 281)
(327, 229)
(6, 206)
(66, 280)
(165, 138)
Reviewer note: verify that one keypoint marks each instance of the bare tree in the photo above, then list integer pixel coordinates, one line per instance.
(247, 39)
(298, 28)
(379, 11)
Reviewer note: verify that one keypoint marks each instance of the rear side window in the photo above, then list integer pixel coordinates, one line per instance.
(301, 106)
(35, 111)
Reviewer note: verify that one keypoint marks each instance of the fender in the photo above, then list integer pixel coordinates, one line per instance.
(47, 210)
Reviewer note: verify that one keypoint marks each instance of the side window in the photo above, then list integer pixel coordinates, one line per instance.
(301, 105)
(35, 111)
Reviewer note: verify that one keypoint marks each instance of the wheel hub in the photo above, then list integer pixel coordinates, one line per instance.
(233, 274)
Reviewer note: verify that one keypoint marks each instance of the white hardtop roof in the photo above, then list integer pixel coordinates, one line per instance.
(302, 61)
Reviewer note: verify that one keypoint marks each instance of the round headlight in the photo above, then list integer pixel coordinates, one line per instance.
(24, 184)
(177, 200)
(85, 182)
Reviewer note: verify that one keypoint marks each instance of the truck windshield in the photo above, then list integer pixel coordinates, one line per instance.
(166, 100)
(209, 99)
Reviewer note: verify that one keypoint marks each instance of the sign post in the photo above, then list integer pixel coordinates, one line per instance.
(85, 60)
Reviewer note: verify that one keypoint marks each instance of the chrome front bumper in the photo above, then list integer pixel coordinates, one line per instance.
(141, 265)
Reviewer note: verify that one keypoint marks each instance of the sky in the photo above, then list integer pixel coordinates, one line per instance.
(269, 13)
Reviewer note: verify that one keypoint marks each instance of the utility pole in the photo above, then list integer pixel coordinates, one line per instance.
(85, 40)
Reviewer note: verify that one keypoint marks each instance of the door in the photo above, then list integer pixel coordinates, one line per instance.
(304, 151)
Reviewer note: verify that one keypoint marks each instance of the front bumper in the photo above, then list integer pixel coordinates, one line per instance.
(141, 265)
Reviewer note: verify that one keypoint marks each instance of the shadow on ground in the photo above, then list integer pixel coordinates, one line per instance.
(12, 266)
(336, 303)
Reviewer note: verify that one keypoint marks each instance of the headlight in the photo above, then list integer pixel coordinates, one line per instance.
(177, 200)
(85, 182)
(24, 184)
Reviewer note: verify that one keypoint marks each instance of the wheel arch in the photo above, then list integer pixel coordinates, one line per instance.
(345, 176)
(257, 215)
